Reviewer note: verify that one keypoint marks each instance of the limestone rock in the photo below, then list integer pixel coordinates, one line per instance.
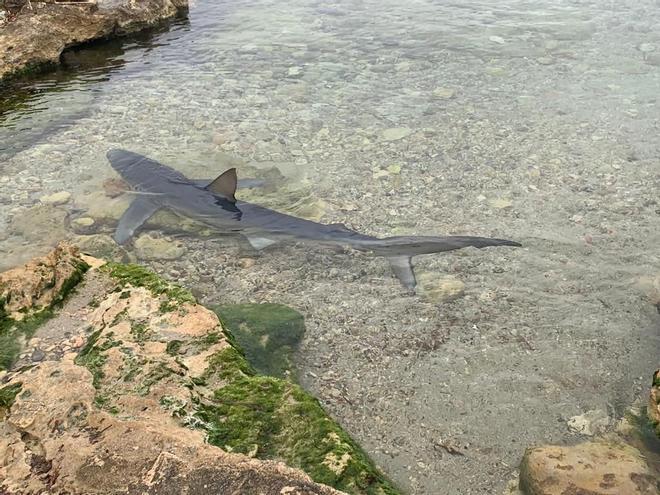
(39, 35)
(101, 246)
(59, 442)
(594, 468)
(41, 282)
(590, 423)
(148, 403)
(55, 199)
(439, 289)
(40, 223)
(158, 248)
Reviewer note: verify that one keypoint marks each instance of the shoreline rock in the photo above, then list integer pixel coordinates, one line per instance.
(139, 389)
(42, 31)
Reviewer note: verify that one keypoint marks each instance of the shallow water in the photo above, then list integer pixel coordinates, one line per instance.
(534, 121)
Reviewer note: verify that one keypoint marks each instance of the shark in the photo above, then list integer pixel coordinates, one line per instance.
(213, 203)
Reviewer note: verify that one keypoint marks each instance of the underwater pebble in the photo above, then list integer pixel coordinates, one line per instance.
(501, 203)
(58, 198)
(443, 93)
(590, 423)
(439, 288)
(83, 222)
(396, 133)
(497, 39)
(157, 248)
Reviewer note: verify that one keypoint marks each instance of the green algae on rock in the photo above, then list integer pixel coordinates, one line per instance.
(8, 396)
(139, 276)
(267, 333)
(271, 418)
(207, 382)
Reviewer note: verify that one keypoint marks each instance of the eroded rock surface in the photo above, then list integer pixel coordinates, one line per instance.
(41, 282)
(42, 30)
(593, 468)
(140, 390)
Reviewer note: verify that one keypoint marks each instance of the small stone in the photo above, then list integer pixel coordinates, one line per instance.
(501, 203)
(646, 47)
(37, 355)
(590, 423)
(114, 187)
(495, 71)
(497, 39)
(55, 199)
(443, 93)
(294, 71)
(246, 262)
(379, 174)
(396, 133)
(394, 169)
(77, 342)
(157, 248)
(82, 225)
(439, 289)
(545, 60)
(83, 221)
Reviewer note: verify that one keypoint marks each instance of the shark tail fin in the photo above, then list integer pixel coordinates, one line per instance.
(403, 269)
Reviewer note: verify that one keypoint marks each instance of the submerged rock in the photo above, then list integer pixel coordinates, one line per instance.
(597, 468)
(158, 248)
(101, 246)
(439, 289)
(41, 223)
(39, 34)
(58, 198)
(267, 333)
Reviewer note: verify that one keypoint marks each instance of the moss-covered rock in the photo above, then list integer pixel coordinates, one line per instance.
(271, 418)
(653, 408)
(267, 333)
(8, 396)
(139, 276)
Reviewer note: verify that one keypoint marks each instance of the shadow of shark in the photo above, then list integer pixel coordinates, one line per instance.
(158, 186)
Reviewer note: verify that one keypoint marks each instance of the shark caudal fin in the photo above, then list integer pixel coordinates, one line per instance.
(400, 250)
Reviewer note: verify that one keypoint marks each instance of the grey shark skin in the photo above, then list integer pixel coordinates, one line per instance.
(158, 186)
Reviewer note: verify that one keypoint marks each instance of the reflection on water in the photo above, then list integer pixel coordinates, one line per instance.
(32, 108)
(534, 121)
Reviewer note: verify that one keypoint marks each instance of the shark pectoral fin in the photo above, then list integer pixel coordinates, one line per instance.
(403, 269)
(138, 212)
(225, 184)
(259, 243)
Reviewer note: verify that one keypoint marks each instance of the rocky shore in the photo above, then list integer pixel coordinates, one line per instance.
(119, 382)
(34, 34)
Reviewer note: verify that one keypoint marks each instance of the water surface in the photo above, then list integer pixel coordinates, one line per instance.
(535, 121)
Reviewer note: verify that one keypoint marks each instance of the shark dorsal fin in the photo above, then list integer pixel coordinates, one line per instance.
(225, 184)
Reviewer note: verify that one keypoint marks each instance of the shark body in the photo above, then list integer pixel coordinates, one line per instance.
(158, 186)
